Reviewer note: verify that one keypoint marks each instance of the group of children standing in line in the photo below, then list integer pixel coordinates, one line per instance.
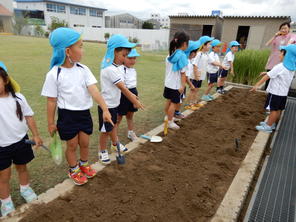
(70, 88)
(192, 62)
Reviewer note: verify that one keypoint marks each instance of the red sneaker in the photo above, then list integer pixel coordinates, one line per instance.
(88, 171)
(77, 177)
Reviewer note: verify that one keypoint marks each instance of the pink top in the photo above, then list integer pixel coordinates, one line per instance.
(277, 42)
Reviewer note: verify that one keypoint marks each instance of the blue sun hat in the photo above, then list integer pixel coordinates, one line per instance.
(192, 45)
(232, 44)
(133, 53)
(116, 41)
(216, 42)
(290, 57)
(204, 39)
(60, 39)
(15, 85)
(178, 59)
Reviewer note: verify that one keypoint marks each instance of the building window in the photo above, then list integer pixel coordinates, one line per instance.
(78, 25)
(95, 13)
(96, 26)
(56, 8)
(77, 10)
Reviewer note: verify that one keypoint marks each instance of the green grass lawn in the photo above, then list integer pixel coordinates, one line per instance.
(27, 59)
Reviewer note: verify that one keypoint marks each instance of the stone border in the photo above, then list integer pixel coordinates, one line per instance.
(67, 185)
(234, 199)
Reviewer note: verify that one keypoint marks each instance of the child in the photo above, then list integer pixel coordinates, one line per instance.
(175, 79)
(71, 86)
(112, 85)
(200, 64)
(190, 52)
(228, 65)
(16, 117)
(213, 68)
(126, 108)
(280, 77)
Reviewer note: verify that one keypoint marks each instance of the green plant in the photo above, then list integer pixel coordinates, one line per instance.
(147, 25)
(135, 40)
(248, 64)
(106, 36)
(39, 31)
(56, 23)
(46, 34)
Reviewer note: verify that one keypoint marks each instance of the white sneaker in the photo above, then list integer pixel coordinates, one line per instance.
(132, 136)
(7, 208)
(104, 157)
(122, 148)
(173, 125)
(28, 194)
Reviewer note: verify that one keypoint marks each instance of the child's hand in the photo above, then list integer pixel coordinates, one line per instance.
(52, 128)
(254, 88)
(107, 117)
(181, 90)
(224, 67)
(263, 73)
(138, 105)
(191, 86)
(38, 141)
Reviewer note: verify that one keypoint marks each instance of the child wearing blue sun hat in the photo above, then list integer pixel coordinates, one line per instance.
(112, 86)
(281, 77)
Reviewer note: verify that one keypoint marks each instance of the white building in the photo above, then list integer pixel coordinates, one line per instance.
(164, 21)
(77, 13)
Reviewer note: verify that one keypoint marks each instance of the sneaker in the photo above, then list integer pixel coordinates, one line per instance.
(173, 125)
(211, 97)
(7, 208)
(220, 91)
(179, 115)
(28, 194)
(206, 98)
(122, 148)
(223, 91)
(77, 177)
(104, 157)
(132, 136)
(198, 105)
(264, 128)
(273, 127)
(88, 171)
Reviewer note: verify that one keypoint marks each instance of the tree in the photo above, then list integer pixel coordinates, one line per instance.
(57, 23)
(20, 23)
(147, 25)
(39, 31)
(107, 36)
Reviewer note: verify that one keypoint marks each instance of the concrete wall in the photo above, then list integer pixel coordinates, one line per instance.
(7, 24)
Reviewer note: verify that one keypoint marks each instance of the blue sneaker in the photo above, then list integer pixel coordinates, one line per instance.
(206, 98)
(264, 128)
(272, 127)
(29, 195)
(211, 97)
(7, 208)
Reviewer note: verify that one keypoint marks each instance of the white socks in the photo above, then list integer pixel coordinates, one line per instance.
(7, 200)
(24, 187)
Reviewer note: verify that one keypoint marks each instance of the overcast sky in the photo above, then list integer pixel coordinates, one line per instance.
(143, 8)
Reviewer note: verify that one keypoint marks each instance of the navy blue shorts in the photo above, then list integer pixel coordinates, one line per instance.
(196, 83)
(212, 77)
(223, 73)
(70, 123)
(106, 127)
(125, 105)
(172, 94)
(275, 103)
(18, 153)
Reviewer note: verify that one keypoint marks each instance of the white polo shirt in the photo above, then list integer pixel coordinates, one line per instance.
(129, 77)
(229, 57)
(70, 87)
(201, 61)
(12, 130)
(110, 76)
(190, 71)
(173, 78)
(280, 80)
(213, 57)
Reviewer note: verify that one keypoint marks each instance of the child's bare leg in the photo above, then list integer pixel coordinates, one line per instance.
(119, 119)
(129, 120)
(23, 174)
(166, 106)
(196, 95)
(273, 117)
(71, 151)
(210, 86)
(4, 183)
(171, 111)
(103, 140)
(113, 135)
(84, 145)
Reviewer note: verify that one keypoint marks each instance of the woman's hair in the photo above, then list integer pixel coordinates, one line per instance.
(285, 23)
(178, 40)
(9, 89)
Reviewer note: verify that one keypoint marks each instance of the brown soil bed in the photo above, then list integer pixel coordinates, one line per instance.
(184, 178)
